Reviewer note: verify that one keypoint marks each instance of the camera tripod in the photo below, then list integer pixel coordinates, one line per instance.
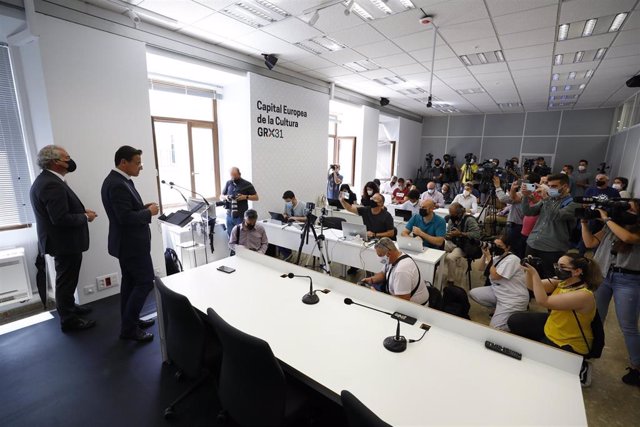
(492, 203)
(319, 242)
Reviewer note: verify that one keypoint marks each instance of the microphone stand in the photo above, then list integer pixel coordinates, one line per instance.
(395, 343)
(311, 297)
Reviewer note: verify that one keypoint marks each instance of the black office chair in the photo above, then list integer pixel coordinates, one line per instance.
(252, 387)
(190, 343)
(359, 415)
(334, 222)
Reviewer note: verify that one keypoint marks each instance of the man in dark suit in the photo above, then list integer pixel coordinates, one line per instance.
(63, 231)
(130, 240)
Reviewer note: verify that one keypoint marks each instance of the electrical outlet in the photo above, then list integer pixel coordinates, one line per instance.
(107, 281)
(89, 290)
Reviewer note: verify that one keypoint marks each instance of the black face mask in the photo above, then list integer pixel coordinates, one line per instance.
(438, 164)
(562, 274)
(71, 165)
(251, 226)
(600, 183)
(424, 212)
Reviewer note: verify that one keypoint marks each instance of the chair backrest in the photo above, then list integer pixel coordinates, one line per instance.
(252, 387)
(184, 331)
(359, 415)
(334, 222)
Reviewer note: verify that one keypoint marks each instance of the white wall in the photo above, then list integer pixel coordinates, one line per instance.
(97, 96)
(297, 160)
(234, 135)
(409, 148)
(367, 148)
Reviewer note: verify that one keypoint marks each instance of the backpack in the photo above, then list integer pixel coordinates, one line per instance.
(435, 297)
(595, 350)
(455, 301)
(171, 262)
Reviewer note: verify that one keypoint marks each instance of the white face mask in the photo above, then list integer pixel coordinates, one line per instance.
(582, 168)
(466, 193)
(617, 186)
(370, 192)
(384, 260)
(431, 190)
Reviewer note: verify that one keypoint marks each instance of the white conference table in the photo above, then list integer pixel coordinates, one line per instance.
(353, 253)
(448, 378)
(352, 218)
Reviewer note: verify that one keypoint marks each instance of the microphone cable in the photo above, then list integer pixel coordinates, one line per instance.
(419, 339)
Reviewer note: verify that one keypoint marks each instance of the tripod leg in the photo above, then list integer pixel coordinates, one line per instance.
(305, 233)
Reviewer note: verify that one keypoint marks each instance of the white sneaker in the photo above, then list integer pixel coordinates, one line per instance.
(585, 373)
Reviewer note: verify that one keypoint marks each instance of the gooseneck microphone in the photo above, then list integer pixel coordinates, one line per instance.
(204, 199)
(395, 343)
(173, 187)
(311, 297)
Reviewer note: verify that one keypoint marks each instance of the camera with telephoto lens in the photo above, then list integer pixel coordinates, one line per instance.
(448, 158)
(333, 167)
(428, 159)
(616, 209)
(533, 261)
(486, 171)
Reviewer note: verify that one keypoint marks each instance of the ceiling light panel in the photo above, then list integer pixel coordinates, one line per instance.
(470, 91)
(388, 81)
(563, 32)
(589, 26)
(382, 6)
(592, 26)
(481, 58)
(328, 43)
(618, 20)
(256, 13)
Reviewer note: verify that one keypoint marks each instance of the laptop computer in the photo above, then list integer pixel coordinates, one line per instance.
(404, 214)
(277, 217)
(349, 231)
(412, 244)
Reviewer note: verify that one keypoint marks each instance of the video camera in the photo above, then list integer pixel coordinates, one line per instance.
(428, 159)
(615, 208)
(486, 171)
(448, 158)
(333, 167)
(603, 168)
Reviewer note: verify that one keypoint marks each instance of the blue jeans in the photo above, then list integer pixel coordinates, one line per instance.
(232, 222)
(625, 290)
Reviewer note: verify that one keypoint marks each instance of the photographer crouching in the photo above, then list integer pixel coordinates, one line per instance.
(462, 231)
(618, 255)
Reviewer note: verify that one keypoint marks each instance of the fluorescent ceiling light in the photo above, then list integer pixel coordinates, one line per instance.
(555, 76)
(600, 53)
(554, 88)
(242, 18)
(572, 75)
(272, 7)
(563, 32)
(359, 10)
(369, 65)
(328, 43)
(407, 4)
(579, 56)
(499, 55)
(588, 74)
(470, 91)
(252, 10)
(582, 86)
(588, 27)
(552, 97)
(482, 58)
(383, 7)
(311, 47)
(465, 59)
(617, 22)
(354, 67)
(557, 60)
(567, 87)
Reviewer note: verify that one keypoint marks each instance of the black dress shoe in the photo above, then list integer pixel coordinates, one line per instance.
(139, 336)
(78, 309)
(77, 324)
(144, 324)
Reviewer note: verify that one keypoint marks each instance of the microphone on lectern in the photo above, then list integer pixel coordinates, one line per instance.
(170, 185)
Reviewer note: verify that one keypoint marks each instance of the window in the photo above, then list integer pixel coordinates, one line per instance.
(185, 137)
(386, 160)
(342, 150)
(15, 177)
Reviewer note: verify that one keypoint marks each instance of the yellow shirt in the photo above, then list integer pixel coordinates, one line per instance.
(562, 329)
(468, 176)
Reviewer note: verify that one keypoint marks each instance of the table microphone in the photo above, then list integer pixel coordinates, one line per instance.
(311, 297)
(204, 199)
(395, 343)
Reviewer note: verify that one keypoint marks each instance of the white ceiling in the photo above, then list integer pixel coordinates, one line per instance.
(525, 30)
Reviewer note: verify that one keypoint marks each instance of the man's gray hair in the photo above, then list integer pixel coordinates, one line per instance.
(387, 244)
(48, 154)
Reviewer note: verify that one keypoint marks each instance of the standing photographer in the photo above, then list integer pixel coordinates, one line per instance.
(508, 292)
(572, 307)
(550, 237)
(450, 173)
(469, 169)
(334, 179)
(238, 191)
(618, 255)
(514, 218)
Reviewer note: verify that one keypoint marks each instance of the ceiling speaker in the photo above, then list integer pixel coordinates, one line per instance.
(270, 60)
(384, 101)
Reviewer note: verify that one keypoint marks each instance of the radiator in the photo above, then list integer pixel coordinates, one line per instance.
(15, 285)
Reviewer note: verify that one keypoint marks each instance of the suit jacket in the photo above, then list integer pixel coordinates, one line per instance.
(60, 216)
(129, 232)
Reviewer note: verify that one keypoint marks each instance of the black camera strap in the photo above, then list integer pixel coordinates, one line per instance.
(390, 270)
